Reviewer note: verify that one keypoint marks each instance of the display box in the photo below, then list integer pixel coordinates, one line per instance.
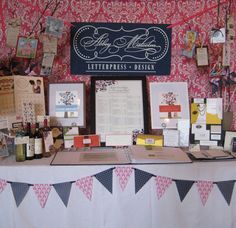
(18, 90)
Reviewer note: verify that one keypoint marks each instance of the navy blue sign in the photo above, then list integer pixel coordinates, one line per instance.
(120, 49)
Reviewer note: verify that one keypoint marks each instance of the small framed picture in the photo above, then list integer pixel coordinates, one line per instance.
(26, 47)
(67, 104)
(202, 56)
(119, 106)
(54, 26)
(228, 144)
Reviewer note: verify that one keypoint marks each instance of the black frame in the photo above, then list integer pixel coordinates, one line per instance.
(128, 78)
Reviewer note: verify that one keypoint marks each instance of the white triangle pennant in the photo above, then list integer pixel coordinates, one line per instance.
(204, 189)
(42, 192)
(123, 173)
(162, 183)
(85, 184)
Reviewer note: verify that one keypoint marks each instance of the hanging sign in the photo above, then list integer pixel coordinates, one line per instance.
(120, 49)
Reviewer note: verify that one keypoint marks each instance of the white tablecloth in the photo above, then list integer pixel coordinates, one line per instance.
(121, 209)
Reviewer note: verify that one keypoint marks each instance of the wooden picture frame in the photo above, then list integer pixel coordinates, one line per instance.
(26, 47)
(66, 104)
(118, 105)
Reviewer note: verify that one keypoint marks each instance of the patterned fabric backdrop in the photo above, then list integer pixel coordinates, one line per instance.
(135, 11)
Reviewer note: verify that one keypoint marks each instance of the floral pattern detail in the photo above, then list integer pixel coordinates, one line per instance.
(204, 189)
(162, 184)
(85, 184)
(123, 173)
(42, 192)
(101, 85)
(3, 184)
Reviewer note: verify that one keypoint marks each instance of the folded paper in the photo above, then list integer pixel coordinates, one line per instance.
(152, 140)
(82, 141)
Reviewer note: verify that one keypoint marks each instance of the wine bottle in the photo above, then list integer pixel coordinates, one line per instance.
(47, 138)
(38, 143)
(30, 145)
(20, 145)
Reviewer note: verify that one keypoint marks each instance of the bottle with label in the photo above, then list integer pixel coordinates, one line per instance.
(20, 145)
(30, 145)
(47, 138)
(38, 143)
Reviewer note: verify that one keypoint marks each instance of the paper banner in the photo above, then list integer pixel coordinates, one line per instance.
(123, 173)
(19, 191)
(42, 192)
(183, 187)
(162, 183)
(226, 188)
(105, 178)
(141, 178)
(204, 189)
(3, 184)
(63, 190)
(85, 184)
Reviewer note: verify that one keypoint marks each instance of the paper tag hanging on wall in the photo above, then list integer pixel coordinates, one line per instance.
(218, 36)
(13, 30)
(54, 27)
(49, 44)
(189, 46)
(47, 64)
(230, 28)
(226, 54)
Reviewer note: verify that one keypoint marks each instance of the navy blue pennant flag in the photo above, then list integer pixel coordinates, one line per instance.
(183, 187)
(226, 188)
(141, 178)
(19, 191)
(105, 178)
(63, 190)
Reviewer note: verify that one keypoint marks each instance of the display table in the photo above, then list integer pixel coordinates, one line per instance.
(143, 202)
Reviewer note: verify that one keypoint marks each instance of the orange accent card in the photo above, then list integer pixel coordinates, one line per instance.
(81, 141)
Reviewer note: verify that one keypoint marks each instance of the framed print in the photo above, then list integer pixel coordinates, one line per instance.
(202, 56)
(54, 26)
(26, 47)
(228, 142)
(119, 105)
(169, 103)
(67, 104)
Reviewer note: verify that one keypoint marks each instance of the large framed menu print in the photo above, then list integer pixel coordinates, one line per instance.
(120, 49)
(119, 106)
(169, 103)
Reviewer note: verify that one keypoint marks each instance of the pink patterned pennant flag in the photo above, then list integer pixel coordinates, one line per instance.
(204, 189)
(3, 184)
(162, 183)
(42, 192)
(123, 173)
(85, 184)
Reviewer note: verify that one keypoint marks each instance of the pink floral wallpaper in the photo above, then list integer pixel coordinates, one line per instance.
(130, 11)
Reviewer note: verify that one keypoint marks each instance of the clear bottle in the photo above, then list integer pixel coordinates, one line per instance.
(38, 143)
(31, 145)
(20, 147)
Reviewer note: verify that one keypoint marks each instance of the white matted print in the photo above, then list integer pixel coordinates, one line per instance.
(169, 102)
(67, 104)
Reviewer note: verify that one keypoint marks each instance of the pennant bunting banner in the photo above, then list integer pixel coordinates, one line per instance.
(162, 183)
(63, 190)
(105, 178)
(141, 178)
(226, 188)
(123, 174)
(42, 192)
(19, 191)
(3, 184)
(183, 187)
(204, 189)
(85, 184)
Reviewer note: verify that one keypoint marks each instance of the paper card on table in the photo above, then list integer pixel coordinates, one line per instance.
(47, 64)
(215, 129)
(198, 113)
(198, 128)
(214, 111)
(203, 135)
(81, 141)
(119, 140)
(3, 146)
(215, 136)
(152, 140)
(183, 128)
(13, 30)
(57, 134)
(171, 137)
(50, 44)
(70, 131)
(69, 141)
(48, 140)
(208, 143)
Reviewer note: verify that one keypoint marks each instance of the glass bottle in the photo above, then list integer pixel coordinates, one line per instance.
(46, 136)
(20, 147)
(38, 143)
(30, 145)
